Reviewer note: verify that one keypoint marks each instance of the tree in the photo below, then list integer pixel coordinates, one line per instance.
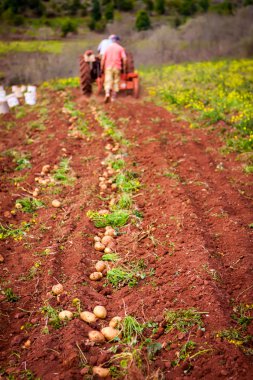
(142, 21)
(109, 12)
(124, 5)
(160, 6)
(74, 7)
(149, 5)
(95, 10)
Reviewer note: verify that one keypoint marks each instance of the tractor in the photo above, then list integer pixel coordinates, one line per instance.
(90, 71)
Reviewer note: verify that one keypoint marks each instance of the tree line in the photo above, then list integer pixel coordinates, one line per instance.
(100, 12)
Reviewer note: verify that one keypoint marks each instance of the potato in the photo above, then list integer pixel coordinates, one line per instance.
(103, 212)
(107, 250)
(57, 289)
(100, 312)
(45, 169)
(88, 317)
(100, 371)
(114, 322)
(65, 314)
(103, 186)
(99, 246)
(56, 203)
(97, 238)
(27, 344)
(95, 276)
(35, 192)
(110, 232)
(96, 336)
(110, 333)
(107, 239)
(100, 266)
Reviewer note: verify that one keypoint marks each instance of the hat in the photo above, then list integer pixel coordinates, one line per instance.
(114, 37)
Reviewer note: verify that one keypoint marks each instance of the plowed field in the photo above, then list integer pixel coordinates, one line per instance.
(187, 244)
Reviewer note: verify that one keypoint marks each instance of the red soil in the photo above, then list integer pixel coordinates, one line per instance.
(195, 236)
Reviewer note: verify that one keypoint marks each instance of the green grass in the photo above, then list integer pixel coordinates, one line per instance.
(54, 47)
(29, 204)
(116, 218)
(62, 84)
(209, 92)
(183, 319)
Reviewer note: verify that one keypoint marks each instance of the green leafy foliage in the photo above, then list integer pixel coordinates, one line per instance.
(117, 218)
(17, 233)
(10, 295)
(62, 174)
(131, 330)
(183, 319)
(110, 257)
(127, 182)
(52, 316)
(29, 204)
(142, 21)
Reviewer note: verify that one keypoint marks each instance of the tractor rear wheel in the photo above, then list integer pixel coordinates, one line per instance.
(129, 63)
(85, 77)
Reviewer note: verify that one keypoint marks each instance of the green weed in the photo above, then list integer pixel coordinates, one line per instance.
(242, 315)
(15, 233)
(172, 175)
(63, 173)
(127, 182)
(184, 352)
(10, 295)
(37, 125)
(238, 338)
(131, 330)
(117, 218)
(52, 316)
(183, 319)
(111, 257)
(30, 205)
(125, 202)
(118, 164)
(248, 169)
(129, 275)
(21, 160)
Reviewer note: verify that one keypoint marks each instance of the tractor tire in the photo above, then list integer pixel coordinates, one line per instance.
(129, 63)
(85, 77)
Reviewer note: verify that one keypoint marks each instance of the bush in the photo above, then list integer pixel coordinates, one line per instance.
(160, 6)
(142, 21)
(100, 26)
(68, 26)
(109, 12)
(125, 5)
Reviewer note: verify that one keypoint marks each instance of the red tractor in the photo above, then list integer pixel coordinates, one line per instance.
(90, 71)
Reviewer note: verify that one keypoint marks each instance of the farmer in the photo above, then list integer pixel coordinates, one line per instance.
(104, 44)
(111, 63)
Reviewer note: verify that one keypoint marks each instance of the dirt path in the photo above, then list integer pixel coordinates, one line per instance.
(194, 239)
